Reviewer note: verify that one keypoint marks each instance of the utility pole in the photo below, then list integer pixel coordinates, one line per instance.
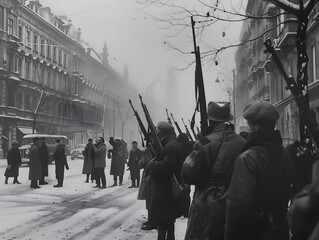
(114, 117)
(103, 118)
(234, 97)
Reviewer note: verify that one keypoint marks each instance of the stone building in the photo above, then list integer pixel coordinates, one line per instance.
(257, 78)
(51, 81)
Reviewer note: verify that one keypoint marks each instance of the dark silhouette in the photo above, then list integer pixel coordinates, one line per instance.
(14, 161)
(60, 162)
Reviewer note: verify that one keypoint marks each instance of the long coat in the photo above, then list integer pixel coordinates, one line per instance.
(162, 205)
(135, 157)
(143, 191)
(216, 152)
(118, 159)
(260, 190)
(35, 168)
(88, 154)
(60, 161)
(99, 155)
(44, 156)
(13, 159)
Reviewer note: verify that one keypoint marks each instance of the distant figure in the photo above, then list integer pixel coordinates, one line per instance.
(100, 162)
(88, 154)
(35, 169)
(60, 162)
(119, 156)
(14, 161)
(44, 156)
(135, 157)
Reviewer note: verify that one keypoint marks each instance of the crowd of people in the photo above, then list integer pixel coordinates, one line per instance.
(243, 182)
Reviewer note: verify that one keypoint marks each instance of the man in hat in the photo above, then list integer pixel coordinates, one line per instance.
(214, 156)
(163, 207)
(14, 161)
(44, 156)
(60, 162)
(261, 184)
(88, 163)
(35, 171)
(135, 157)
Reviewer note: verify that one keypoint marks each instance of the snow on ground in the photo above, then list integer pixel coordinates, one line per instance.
(76, 211)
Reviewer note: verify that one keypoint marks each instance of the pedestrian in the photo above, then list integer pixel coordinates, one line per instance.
(59, 157)
(262, 181)
(143, 192)
(100, 162)
(44, 156)
(213, 157)
(14, 162)
(135, 157)
(119, 156)
(88, 154)
(163, 207)
(35, 168)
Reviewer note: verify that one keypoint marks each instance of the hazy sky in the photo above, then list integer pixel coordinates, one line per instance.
(134, 37)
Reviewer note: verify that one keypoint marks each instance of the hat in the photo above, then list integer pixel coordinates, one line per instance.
(261, 112)
(165, 128)
(219, 111)
(15, 142)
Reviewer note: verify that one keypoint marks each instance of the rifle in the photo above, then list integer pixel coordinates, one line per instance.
(176, 124)
(140, 123)
(193, 131)
(199, 87)
(187, 131)
(168, 118)
(152, 129)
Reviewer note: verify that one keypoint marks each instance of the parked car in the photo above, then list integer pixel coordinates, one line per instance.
(77, 153)
(27, 142)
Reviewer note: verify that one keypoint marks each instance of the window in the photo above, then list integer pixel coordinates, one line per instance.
(35, 43)
(65, 60)
(35, 72)
(27, 69)
(10, 26)
(49, 50)
(314, 63)
(1, 18)
(21, 33)
(60, 57)
(28, 37)
(42, 46)
(49, 78)
(28, 101)
(11, 61)
(54, 53)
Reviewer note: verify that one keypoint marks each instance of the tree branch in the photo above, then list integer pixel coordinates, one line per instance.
(309, 6)
(287, 6)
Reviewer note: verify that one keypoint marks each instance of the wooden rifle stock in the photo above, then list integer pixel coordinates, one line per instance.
(192, 128)
(139, 120)
(187, 131)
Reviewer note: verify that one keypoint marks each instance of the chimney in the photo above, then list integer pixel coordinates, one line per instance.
(78, 35)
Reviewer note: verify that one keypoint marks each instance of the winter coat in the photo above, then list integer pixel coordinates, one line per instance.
(99, 155)
(35, 168)
(143, 192)
(60, 161)
(135, 156)
(118, 158)
(260, 190)
(44, 156)
(88, 154)
(162, 205)
(13, 159)
(217, 152)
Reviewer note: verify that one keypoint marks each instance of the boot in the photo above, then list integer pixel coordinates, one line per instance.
(6, 181)
(133, 184)
(114, 184)
(137, 183)
(121, 180)
(16, 181)
(60, 184)
(34, 184)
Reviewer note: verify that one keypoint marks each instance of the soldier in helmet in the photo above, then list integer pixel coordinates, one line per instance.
(261, 183)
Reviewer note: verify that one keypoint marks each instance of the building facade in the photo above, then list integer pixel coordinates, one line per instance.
(51, 81)
(257, 78)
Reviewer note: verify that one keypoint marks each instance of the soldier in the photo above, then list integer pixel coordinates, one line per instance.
(60, 161)
(213, 157)
(261, 184)
(135, 156)
(99, 162)
(44, 156)
(163, 207)
(88, 154)
(14, 161)
(35, 172)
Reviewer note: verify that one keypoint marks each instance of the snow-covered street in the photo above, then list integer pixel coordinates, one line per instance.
(76, 211)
